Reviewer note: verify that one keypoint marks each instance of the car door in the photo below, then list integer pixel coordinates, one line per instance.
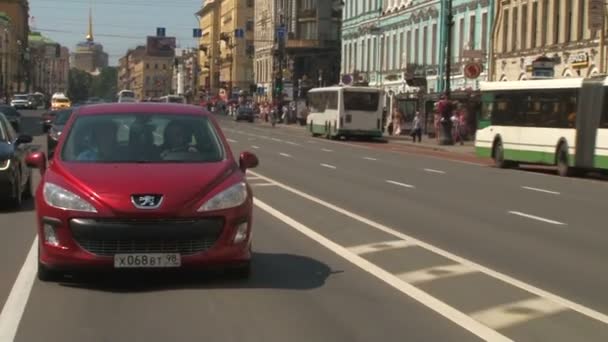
(20, 151)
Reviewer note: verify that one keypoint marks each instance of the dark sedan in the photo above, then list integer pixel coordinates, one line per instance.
(15, 176)
(245, 113)
(12, 115)
(56, 128)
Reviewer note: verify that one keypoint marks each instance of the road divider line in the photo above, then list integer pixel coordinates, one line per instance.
(262, 184)
(370, 158)
(411, 291)
(537, 218)
(232, 141)
(541, 190)
(586, 311)
(435, 171)
(292, 143)
(326, 150)
(285, 155)
(507, 315)
(275, 139)
(409, 186)
(435, 273)
(15, 304)
(329, 166)
(380, 246)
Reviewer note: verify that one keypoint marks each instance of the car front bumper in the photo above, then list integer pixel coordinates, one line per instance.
(87, 244)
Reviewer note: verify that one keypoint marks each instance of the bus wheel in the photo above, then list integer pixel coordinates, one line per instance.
(499, 156)
(563, 167)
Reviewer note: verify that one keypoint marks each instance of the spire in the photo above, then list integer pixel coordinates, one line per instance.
(90, 34)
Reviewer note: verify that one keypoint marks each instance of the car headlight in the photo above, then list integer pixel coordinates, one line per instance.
(232, 197)
(4, 164)
(60, 198)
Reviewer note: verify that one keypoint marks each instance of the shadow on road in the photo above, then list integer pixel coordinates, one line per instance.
(31, 126)
(270, 271)
(551, 171)
(27, 206)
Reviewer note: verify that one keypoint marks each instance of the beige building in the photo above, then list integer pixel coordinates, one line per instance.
(525, 30)
(264, 45)
(227, 45)
(15, 14)
(148, 76)
(89, 55)
(49, 65)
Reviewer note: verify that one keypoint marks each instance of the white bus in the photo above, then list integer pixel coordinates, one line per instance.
(561, 122)
(126, 96)
(345, 111)
(173, 99)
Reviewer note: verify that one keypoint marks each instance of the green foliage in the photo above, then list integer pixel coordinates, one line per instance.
(79, 84)
(83, 85)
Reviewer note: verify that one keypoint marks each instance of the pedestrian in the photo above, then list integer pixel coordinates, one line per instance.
(417, 128)
(397, 118)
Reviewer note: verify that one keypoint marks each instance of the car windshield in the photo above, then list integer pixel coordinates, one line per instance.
(9, 111)
(21, 97)
(62, 116)
(62, 100)
(143, 138)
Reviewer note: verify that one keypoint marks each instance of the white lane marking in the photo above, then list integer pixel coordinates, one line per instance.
(435, 273)
(370, 158)
(285, 155)
(15, 304)
(326, 150)
(540, 190)
(232, 141)
(329, 166)
(504, 316)
(401, 184)
(483, 269)
(292, 143)
(275, 139)
(538, 218)
(411, 291)
(380, 246)
(263, 184)
(252, 177)
(256, 147)
(435, 171)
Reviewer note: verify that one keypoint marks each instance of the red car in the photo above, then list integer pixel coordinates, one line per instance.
(142, 186)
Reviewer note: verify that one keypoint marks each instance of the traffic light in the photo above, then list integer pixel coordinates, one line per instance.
(278, 85)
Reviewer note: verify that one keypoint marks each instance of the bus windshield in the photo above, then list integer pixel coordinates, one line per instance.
(361, 101)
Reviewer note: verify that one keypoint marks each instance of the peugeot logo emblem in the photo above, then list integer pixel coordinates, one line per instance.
(147, 201)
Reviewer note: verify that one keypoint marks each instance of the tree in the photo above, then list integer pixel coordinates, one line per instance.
(104, 85)
(79, 84)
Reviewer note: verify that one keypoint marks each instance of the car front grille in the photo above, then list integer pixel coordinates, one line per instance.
(112, 247)
(107, 237)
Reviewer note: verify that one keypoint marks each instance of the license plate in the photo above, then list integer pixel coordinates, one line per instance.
(147, 260)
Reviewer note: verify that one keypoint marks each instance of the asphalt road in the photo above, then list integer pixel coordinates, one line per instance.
(355, 242)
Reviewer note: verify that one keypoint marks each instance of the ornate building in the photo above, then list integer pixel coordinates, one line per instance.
(15, 15)
(49, 65)
(557, 29)
(89, 55)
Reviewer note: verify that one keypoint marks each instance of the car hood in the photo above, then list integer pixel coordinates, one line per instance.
(182, 185)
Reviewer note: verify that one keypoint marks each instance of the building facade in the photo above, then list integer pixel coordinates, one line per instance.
(49, 65)
(17, 12)
(227, 50)
(89, 55)
(311, 53)
(148, 76)
(556, 29)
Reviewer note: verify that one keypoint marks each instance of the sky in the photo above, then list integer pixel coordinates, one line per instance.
(117, 24)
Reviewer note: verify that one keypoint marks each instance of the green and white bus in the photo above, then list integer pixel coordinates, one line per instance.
(345, 112)
(561, 122)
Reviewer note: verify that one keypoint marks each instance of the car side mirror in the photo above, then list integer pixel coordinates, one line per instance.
(24, 139)
(36, 160)
(248, 160)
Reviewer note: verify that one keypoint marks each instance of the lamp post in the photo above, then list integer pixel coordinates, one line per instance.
(445, 104)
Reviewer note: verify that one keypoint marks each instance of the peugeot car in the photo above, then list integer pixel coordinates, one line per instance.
(15, 177)
(142, 186)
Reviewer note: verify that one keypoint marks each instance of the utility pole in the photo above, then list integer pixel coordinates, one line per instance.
(445, 105)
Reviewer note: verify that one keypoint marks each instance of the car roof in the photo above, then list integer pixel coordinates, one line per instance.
(145, 107)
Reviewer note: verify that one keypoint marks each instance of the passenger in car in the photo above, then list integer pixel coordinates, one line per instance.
(103, 143)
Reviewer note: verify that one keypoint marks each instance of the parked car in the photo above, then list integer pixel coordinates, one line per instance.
(244, 113)
(46, 119)
(12, 115)
(144, 185)
(56, 129)
(15, 176)
(22, 101)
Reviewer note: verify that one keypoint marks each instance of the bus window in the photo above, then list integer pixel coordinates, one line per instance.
(332, 100)
(604, 118)
(361, 101)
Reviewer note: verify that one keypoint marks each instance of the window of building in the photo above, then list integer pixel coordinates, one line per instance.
(369, 54)
(556, 6)
(249, 25)
(425, 38)
(356, 56)
(164, 66)
(534, 24)
(401, 50)
(568, 21)
(505, 30)
(147, 80)
(147, 66)
(408, 48)
(369, 5)
(472, 27)
(156, 66)
(461, 38)
(250, 3)
(545, 23)
(524, 27)
(515, 25)
(582, 14)
(363, 55)
(416, 45)
(395, 52)
(434, 46)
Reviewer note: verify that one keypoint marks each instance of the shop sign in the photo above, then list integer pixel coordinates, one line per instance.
(579, 60)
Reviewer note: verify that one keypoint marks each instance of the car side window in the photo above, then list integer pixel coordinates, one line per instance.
(3, 136)
(10, 131)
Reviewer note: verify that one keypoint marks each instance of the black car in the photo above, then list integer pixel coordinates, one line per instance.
(244, 113)
(15, 176)
(54, 132)
(12, 115)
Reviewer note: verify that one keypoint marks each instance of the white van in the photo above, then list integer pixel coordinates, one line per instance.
(345, 112)
(126, 96)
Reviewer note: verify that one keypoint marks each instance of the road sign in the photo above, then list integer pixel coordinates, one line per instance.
(596, 14)
(197, 33)
(161, 31)
(472, 70)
